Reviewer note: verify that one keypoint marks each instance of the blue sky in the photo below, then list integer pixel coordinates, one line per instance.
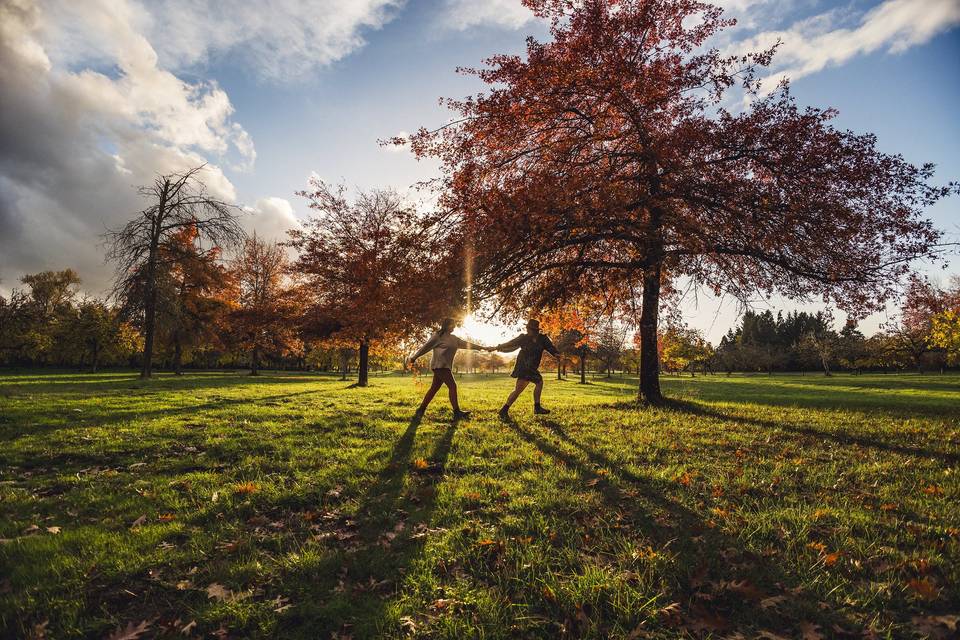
(269, 96)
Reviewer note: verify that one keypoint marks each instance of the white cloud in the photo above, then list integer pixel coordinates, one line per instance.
(820, 41)
(74, 142)
(271, 218)
(463, 14)
(280, 40)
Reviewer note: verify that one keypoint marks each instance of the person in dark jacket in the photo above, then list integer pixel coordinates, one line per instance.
(532, 344)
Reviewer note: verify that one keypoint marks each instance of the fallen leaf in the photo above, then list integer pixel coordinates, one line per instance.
(53, 530)
(773, 602)
(166, 517)
(245, 488)
(810, 631)
(189, 627)
(420, 464)
(770, 635)
(130, 632)
(924, 588)
(746, 589)
(933, 490)
(39, 630)
(702, 620)
(831, 559)
(217, 591)
(936, 627)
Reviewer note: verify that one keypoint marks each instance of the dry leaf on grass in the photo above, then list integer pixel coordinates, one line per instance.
(810, 631)
(245, 488)
(130, 632)
(773, 602)
(217, 591)
(936, 627)
(924, 588)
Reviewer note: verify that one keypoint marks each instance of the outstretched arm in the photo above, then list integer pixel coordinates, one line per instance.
(512, 345)
(425, 348)
(466, 344)
(548, 345)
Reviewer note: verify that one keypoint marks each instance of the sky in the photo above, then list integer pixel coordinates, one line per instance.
(99, 96)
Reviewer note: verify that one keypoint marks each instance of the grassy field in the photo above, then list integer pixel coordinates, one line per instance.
(292, 506)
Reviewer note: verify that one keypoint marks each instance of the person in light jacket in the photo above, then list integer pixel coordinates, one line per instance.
(444, 345)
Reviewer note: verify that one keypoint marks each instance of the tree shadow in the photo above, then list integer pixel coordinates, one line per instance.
(354, 586)
(867, 396)
(652, 512)
(54, 418)
(843, 438)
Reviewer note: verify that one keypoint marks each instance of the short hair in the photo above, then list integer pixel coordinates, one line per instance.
(533, 323)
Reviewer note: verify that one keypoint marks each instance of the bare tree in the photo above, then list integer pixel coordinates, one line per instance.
(144, 248)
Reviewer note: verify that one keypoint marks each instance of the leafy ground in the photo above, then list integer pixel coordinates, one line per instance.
(293, 506)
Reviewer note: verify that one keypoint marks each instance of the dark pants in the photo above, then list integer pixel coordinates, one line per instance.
(442, 377)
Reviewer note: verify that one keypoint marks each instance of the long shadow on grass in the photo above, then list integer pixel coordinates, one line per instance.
(842, 438)
(866, 396)
(56, 417)
(705, 550)
(355, 585)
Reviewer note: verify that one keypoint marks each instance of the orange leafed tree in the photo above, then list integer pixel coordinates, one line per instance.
(372, 270)
(194, 294)
(604, 161)
(265, 315)
(574, 327)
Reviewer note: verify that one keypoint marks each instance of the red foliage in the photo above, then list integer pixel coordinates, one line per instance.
(605, 161)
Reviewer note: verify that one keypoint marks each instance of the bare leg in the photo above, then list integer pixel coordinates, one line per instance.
(451, 383)
(537, 390)
(432, 391)
(521, 385)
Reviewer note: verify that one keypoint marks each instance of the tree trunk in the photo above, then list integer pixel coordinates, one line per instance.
(177, 355)
(95, 356)
(583, 366)
(255, 360)
(649, 357)
(149, 322)
(364, 366)
(150, 303)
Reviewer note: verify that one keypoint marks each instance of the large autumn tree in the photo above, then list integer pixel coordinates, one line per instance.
(605, 160)
(144, 250)
(372, 268)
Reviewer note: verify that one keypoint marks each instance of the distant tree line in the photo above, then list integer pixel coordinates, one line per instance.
(246, 312)
(367, 276)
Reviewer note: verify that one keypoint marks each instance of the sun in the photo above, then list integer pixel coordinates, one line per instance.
(485, 333)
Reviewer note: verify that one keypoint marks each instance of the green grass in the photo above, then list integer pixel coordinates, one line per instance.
(750, 504)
